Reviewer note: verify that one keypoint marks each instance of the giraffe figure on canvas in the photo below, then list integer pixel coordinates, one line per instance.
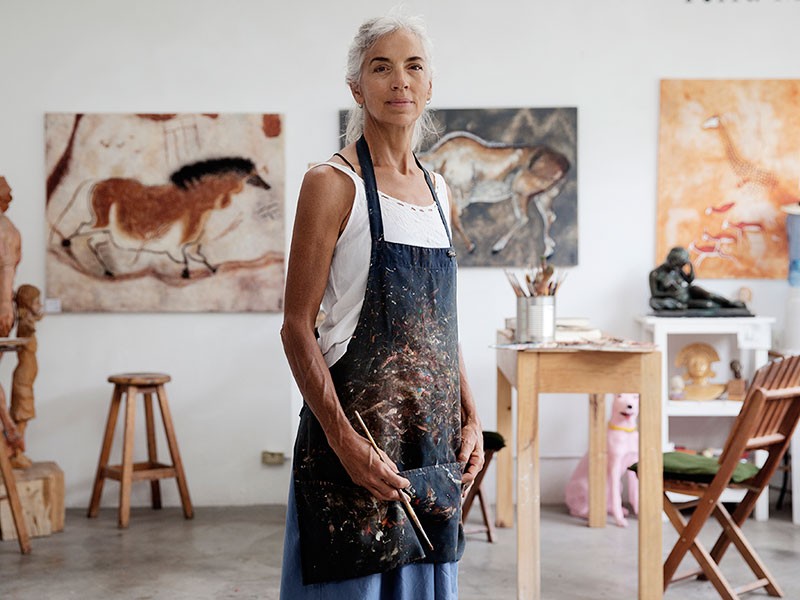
(746, 170)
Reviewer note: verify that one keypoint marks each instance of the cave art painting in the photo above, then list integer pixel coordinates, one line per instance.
(728, 160)
(165, 212)
(513, 175)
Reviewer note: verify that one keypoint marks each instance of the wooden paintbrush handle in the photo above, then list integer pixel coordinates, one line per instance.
(404, 497)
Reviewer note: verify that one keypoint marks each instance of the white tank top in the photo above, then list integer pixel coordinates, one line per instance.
(403, 223)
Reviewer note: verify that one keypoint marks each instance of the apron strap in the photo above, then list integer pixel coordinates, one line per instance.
(435, 199)
(371, 187)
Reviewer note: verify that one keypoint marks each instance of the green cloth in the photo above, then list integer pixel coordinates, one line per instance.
(695, 467)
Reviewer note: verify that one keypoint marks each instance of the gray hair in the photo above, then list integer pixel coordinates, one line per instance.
(368, 34)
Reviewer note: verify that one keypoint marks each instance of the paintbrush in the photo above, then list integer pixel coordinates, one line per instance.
(403, 495)
(515, 285)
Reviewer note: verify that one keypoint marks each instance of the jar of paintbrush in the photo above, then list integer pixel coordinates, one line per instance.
(536, 289)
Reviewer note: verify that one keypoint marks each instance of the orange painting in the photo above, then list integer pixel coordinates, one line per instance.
(728, 160)
(165, 212)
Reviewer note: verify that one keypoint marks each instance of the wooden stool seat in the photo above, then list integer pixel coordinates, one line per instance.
(129, 385)
(139, 379)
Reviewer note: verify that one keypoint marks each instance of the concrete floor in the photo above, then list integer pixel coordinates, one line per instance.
(227, 553)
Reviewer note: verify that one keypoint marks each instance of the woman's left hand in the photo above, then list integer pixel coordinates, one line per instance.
(471, 453)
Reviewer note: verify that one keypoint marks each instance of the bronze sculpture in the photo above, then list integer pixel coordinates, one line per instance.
(672, 292)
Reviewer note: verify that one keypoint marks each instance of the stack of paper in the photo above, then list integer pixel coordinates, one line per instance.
(574, 329)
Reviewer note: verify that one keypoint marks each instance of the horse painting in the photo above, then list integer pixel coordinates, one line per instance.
(487, 172)
(164, 220)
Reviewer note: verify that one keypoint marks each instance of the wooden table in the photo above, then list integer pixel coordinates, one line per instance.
(567, 369)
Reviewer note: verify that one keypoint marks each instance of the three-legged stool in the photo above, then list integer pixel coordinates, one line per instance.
(129, 385)
(492, 442)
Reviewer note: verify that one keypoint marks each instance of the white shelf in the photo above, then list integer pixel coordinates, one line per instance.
(751, 332)
(708, 408)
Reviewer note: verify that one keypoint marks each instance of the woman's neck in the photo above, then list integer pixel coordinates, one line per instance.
(390, 148)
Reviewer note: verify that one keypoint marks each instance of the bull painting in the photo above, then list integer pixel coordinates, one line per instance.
(481, 171)
(513, 177)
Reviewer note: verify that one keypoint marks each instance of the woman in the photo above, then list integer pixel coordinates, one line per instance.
(383, 269)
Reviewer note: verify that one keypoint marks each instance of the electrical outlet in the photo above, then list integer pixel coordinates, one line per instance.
(272, 458)
(52, 305)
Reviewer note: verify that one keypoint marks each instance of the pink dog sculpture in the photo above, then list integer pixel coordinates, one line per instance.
(623, 451)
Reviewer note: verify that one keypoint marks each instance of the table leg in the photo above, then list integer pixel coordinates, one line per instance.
(528, 490)
(651, 484)
(597, 460)
(505, 460)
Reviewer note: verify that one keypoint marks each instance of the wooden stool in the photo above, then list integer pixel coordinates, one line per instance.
(131, 384)
(492, 442)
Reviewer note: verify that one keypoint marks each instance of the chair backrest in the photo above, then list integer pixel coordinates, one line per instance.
(768, 418)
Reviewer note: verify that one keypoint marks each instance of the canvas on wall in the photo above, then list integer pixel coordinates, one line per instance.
(728, 160)
(165, 212)
(513, 174)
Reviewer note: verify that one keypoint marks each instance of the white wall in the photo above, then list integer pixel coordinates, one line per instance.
(232, 394)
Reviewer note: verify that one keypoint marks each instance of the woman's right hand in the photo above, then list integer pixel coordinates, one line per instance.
(366, 469)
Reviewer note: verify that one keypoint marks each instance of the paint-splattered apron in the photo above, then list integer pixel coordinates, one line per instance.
(400, 372)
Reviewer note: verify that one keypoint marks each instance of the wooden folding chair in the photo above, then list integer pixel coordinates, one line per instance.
(767, 420)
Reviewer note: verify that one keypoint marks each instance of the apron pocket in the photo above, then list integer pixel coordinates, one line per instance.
(345, 532)
(436, 491)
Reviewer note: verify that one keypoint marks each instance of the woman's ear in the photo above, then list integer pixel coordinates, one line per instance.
(355, 90)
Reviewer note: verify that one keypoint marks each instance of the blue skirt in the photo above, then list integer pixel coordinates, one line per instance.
(417, 581)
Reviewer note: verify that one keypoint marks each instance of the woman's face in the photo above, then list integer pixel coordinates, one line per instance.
(395, 80)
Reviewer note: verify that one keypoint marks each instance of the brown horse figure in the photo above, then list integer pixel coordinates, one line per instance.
(163, 219)
(485, 172)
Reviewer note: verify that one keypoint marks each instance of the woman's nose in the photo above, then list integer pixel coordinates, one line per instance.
(399, 82)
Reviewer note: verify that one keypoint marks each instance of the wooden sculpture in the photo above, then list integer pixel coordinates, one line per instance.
(697, 359)
(10, 254)
(29, 311)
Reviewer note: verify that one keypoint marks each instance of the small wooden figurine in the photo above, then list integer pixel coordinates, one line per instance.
(737, 387)
(29, 310)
